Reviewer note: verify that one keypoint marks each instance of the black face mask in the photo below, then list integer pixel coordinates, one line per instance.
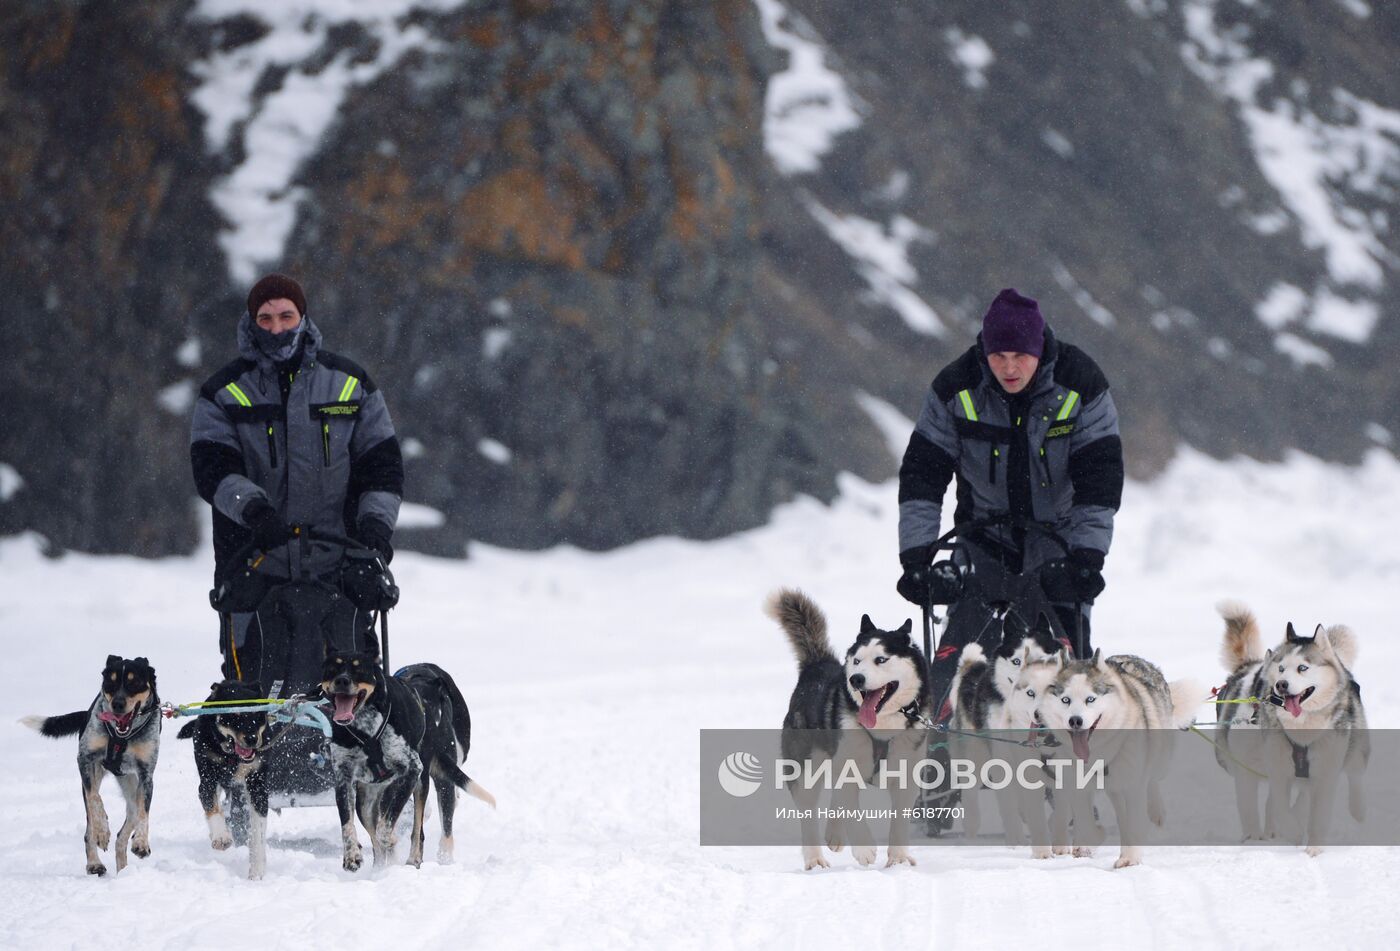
(279, 347)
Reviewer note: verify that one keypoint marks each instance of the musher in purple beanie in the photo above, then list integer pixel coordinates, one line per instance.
(1028, 426)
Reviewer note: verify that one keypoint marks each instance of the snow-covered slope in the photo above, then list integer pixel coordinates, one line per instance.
(589, 677)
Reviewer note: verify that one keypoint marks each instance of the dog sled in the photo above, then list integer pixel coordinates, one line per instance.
(290, 622)
(984, 584)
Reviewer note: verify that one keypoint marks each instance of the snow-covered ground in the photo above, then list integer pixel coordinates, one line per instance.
(589, 677)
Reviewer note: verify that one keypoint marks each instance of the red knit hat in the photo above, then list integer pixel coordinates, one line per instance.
(275, 287)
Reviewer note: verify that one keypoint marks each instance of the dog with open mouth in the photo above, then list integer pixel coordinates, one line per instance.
(228, 754)
(872, 706)
(389, 736)
(1118, 710)
(118, 734)
(1313, 729)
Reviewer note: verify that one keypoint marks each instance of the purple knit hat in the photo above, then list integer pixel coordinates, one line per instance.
(1013, 325)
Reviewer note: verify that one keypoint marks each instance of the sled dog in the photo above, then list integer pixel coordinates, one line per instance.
(1023, 708)
(871, 706)
(228, 755)
(389, 736)
(1313, 728)
(985, 704)
(118, 734)
(1122, 695)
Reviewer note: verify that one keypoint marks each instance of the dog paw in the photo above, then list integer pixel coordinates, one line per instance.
(835, 836)
(221, 843)
(1083, 852)
(864, 854)
(812, 858)
(1313, 851)
(898, 855)
(1062, 850)
(1041, 852)
(96, 868)
(102, 837)
(1125, 862)
(352, 861)
(140, 848)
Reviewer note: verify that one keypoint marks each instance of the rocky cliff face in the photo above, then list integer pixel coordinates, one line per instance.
(625, 268)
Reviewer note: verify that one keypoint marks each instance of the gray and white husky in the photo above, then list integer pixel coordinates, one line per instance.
(877, 697)
(1313, 728)
(1128, 699)
(1306, 694)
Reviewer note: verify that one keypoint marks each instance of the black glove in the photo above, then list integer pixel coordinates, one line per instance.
(373, 533)
(1076, 578)
(930, 584)
(269, 531)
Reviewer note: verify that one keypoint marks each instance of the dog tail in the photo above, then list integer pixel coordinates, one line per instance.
(1187, 696)
(971, 657)
(468, 785)
(804, 624)
(69, 724)
(1344, 643)
(1242, 643)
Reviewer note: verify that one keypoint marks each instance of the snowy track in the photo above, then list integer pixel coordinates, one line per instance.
(589, 677)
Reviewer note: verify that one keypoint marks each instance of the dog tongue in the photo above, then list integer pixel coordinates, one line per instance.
(1294, 704)
(344, 707)
(868, 708)
(242, 751)
(1080, 740)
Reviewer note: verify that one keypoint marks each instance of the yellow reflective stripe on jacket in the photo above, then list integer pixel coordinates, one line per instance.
(238, 395)
(1068, 408)
(349, 388)
(966, 397)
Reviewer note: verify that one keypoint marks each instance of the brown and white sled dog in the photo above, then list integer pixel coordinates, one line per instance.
(1309, 730)
(118, 734)
(842, 711)
(1129, 700)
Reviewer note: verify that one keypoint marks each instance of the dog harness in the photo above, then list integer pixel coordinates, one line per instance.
(374, 752)
(116, 743)
(913, 718)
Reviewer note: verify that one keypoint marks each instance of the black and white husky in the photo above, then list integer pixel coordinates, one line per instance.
(871, 706)
(990, 721)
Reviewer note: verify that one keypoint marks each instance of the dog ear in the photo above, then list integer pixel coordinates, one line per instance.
(113, 662)
(1098, 655)
(1318, 631)
(1292, 636)
(907, 627)
(866, 625)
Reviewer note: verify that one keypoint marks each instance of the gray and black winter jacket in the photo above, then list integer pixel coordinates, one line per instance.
(312, 437)
(1050, 453)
